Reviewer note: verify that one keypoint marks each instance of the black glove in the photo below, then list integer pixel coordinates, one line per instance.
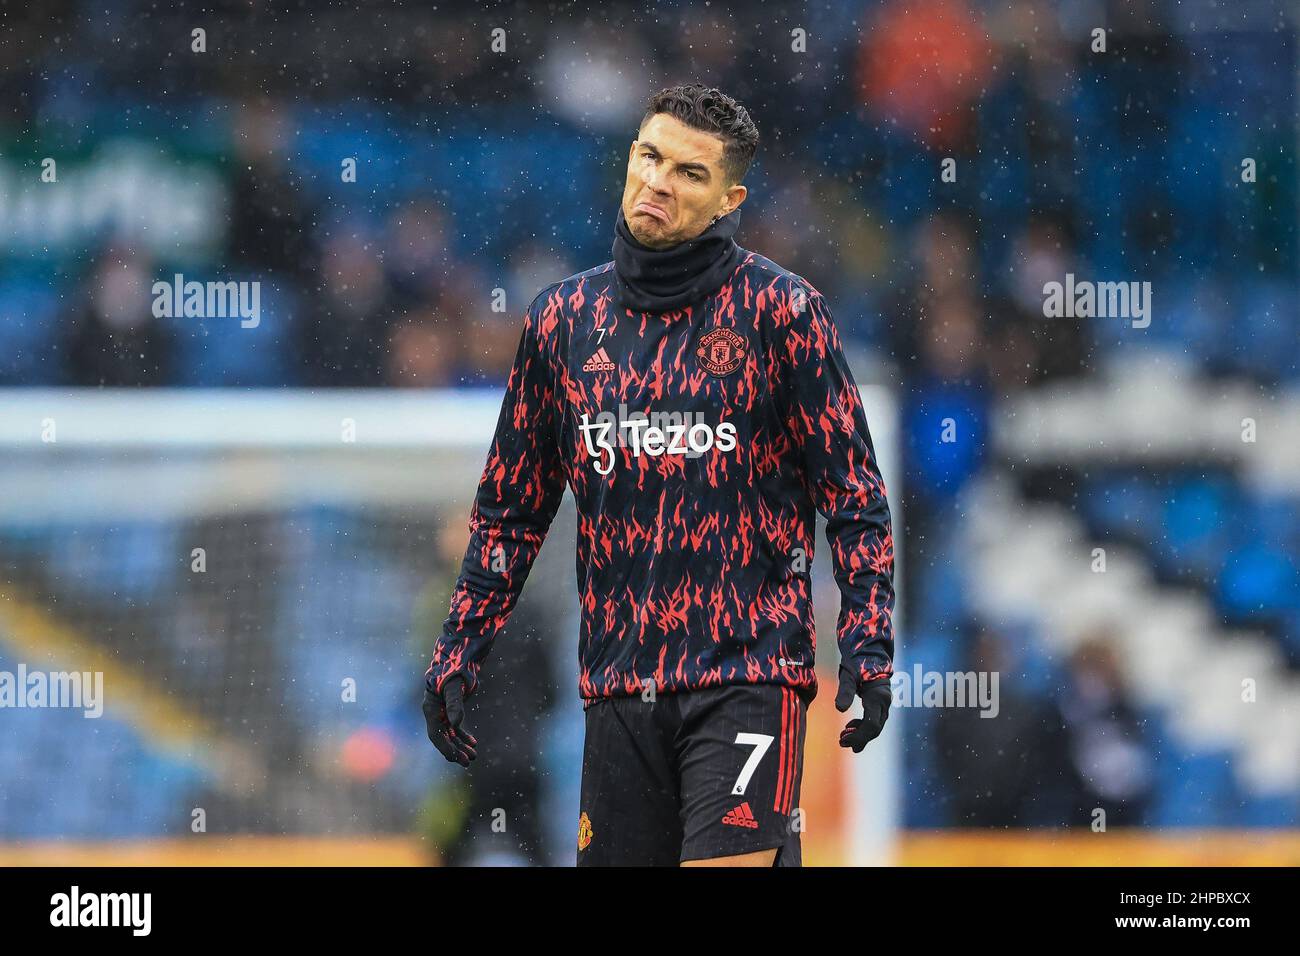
(443, 714)
(876, 697)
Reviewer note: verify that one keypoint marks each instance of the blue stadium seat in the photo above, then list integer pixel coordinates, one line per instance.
(1258, 579)
(29, 310)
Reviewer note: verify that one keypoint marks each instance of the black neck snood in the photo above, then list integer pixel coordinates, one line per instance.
(662, 280)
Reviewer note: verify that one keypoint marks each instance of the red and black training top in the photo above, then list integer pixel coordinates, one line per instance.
(697, 444)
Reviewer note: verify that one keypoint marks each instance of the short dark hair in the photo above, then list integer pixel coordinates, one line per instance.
(711, 111)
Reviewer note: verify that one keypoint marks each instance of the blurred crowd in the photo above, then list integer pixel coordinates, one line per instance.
(482, 176)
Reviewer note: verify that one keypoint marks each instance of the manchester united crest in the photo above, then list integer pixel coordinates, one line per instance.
(721, 351)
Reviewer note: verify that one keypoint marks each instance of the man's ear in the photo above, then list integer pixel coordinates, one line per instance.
(735, 196)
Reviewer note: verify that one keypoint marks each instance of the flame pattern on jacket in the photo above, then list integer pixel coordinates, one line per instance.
(693, 568)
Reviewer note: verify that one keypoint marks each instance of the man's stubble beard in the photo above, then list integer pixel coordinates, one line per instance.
(651, 240)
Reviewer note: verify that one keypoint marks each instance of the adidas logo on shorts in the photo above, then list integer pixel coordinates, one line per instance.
(742, 816)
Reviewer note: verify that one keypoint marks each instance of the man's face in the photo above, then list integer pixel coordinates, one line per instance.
(675, 183)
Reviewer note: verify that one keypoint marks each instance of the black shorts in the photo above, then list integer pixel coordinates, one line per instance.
(692, 776)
